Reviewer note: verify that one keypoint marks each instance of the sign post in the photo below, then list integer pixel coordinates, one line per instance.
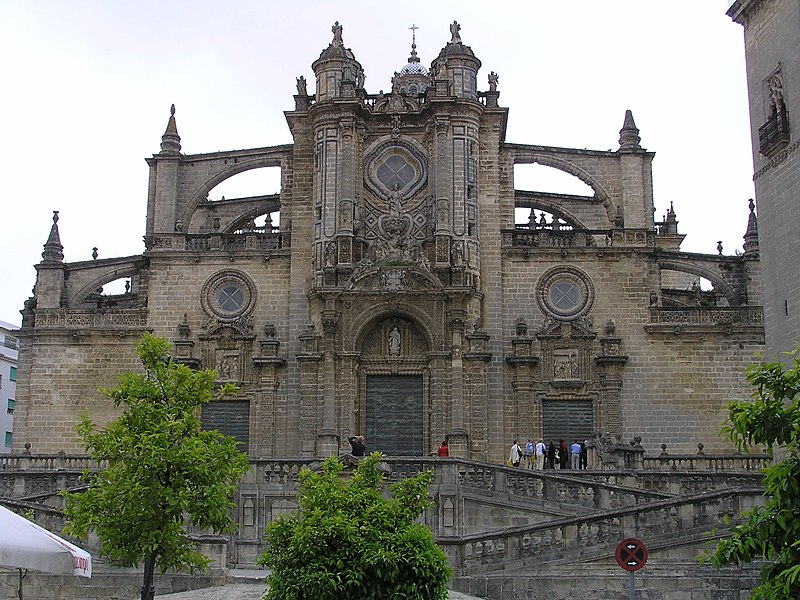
(631, 555)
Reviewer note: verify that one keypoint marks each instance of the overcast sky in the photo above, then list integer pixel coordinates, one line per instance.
(87, 87)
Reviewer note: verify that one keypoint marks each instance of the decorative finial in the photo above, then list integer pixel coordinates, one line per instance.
(629, 135)
(94, 253)
(719, 247)
(171, 141)
(751, 235)
(53, 250)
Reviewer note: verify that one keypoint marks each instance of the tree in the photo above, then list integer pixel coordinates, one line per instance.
(159, 471)
(348, 541)
(770, 532)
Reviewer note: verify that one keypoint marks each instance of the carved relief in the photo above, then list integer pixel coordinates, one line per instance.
(565, 364)
(227, 365)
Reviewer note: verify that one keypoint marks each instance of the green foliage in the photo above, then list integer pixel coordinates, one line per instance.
(348, 541)
(770, 532)
(162, 469)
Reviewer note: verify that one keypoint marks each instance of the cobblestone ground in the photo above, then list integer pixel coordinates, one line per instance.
(247, 591)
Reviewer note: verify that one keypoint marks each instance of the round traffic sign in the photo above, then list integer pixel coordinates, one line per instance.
(631, 554)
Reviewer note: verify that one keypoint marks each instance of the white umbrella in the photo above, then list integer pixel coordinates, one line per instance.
(25, 545)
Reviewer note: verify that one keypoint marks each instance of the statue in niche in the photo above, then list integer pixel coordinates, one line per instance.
(441, 70)
(395, 201)
(775, 84)
(394, 341)
(360, 77)
(458, 254)
(493, 79)
(455, 33)
(301, 86)
(330, 254)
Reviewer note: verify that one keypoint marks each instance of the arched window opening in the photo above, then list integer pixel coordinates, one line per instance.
(539, 178)
(119, 293)
(686, 290)
(255, 182)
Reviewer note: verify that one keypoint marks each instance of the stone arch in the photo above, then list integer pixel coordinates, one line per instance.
(201, 193)
(719, 283)
(563, 165)
(365, 321)
(270, 205)
(116, 272)
(520, 201)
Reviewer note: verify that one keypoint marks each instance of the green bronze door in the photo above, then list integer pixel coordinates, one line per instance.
(394, 415)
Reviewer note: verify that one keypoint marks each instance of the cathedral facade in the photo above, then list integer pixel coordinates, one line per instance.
(389, 289)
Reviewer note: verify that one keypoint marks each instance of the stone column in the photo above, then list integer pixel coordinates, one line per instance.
(457, 434)
(611, 363)
(327, 438)
(478, 358)
(524, 403)
(262, 413)
(310, 360)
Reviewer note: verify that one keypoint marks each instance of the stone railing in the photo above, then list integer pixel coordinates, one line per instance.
(578, 538)
(746, 315)
(547, 486)
(121, 318)
(705, 462)
(539, 237)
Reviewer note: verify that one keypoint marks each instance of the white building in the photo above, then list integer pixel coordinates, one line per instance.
(9, 349)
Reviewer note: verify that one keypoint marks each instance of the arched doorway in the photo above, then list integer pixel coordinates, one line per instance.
(394, 381)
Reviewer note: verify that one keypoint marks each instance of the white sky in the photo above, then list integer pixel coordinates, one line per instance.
(87, 87)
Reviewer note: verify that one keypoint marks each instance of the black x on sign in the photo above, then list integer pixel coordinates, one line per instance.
(631, 554)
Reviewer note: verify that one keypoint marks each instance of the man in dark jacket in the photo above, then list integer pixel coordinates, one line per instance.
(357, 445)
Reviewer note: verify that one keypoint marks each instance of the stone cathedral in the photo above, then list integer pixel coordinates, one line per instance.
(391, 290)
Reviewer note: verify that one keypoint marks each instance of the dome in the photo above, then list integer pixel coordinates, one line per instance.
(414, 68)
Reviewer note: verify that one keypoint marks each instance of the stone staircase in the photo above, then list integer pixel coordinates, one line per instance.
(505, 531)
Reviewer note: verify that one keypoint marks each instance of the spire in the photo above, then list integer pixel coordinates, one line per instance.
(171, 141)
(751, 235)
(629, 135)
(671, 221)
(53, 250)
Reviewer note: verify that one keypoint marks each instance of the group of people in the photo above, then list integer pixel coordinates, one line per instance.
(551, 456)
(358, 447)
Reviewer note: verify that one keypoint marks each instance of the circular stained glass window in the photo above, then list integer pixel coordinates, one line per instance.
(229, 295)
(395, 171)
(395, 164)
(565, 293)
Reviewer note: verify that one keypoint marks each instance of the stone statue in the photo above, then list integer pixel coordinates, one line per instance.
(394, 341)
(337, 34)
(301, 86)
(441, 70)
(493, 79)
(455, 34)
(776, 93)
(360, 77)
(395, 201)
